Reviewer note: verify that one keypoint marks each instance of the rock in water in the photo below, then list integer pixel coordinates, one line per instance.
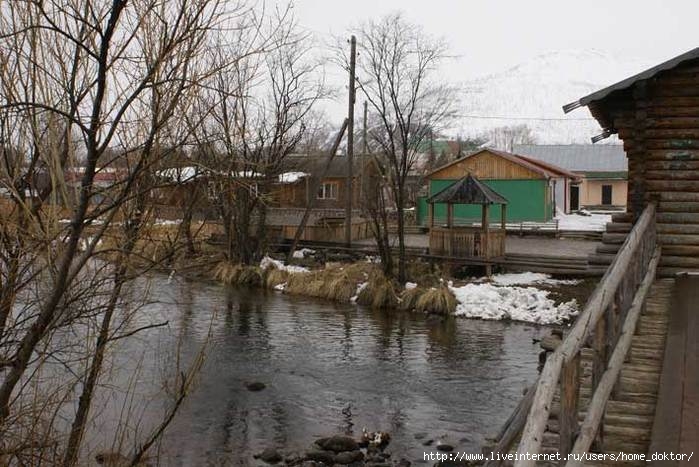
(338, 444)
(269, 455)
(445, 447)
(321, 456)
(347, 457)
(255, 386)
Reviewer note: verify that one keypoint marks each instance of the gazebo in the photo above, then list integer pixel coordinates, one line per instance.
(467, 241)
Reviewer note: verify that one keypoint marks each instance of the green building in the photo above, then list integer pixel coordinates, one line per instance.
(533, 189)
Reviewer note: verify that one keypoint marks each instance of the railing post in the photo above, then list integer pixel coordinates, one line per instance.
(599, 366)
(568, 419)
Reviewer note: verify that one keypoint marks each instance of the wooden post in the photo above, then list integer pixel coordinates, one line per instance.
(568, 418)
(503, 219)
(484, 241)
(599, 366)
(450, 215)
(350, 143)
(431, 215)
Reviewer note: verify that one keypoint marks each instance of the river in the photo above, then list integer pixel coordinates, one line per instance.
(417, 378)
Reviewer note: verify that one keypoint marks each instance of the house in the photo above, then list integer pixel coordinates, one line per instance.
(532, 188)
(323, 182)
(602, 168)
(656, 114)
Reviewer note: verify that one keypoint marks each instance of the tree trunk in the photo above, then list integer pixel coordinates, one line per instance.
(401, 233)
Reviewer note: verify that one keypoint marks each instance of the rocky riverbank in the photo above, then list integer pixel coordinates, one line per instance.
(369, 450)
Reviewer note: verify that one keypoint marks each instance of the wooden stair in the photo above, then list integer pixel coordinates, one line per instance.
(629, 416)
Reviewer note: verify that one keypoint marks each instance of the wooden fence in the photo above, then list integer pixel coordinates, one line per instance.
(607, 324)
(467, 242)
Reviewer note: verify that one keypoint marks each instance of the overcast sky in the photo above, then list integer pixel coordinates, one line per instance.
(491, 35)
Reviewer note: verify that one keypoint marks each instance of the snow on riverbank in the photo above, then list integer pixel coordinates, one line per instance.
(268, 262)
(527, 278)
(488, 301)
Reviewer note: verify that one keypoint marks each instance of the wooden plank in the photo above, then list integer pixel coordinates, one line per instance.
(668, 411)
(688, 294)
(568, 418)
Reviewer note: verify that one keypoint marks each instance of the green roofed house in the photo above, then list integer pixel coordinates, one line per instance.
(531, 188)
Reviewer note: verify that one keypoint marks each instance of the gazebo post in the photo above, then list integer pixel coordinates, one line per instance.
(450, 215)
(484, 241)
(431, 214)
(503, 220)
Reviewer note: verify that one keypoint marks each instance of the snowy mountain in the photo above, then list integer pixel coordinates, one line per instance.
(538, 89)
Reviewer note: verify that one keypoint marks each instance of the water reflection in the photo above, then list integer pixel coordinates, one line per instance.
(330, 368)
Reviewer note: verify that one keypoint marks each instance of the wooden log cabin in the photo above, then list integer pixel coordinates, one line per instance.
(656, 115)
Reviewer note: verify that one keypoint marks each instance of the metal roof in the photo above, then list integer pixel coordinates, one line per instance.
(578, 157)
(545, 170)
(468, 190)
(315, 165)
(628, 82)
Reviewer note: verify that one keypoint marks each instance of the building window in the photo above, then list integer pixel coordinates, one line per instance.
(606, 195)
(327, 191)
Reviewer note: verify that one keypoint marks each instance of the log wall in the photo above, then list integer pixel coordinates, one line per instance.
(658, 121)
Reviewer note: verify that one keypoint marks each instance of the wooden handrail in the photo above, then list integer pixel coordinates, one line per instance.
(609, 299)
(598, 403)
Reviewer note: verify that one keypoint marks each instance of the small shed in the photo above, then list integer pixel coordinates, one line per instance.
(468, 241)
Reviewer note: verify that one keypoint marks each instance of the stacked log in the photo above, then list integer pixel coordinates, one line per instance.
(658, 121)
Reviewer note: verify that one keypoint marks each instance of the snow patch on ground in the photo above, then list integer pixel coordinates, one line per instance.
(488, 301)
(360, 287)
(302, 253)
(586, 221)
(527, 278)
(268, 262)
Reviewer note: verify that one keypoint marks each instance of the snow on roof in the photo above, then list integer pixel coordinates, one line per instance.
(292, 177)
(179, 174)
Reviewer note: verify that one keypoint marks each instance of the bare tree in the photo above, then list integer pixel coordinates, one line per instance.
(259, 109)
(83, 83)
(506, 137)
(397, 70)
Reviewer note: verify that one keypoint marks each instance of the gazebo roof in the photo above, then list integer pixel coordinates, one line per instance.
(468, 190)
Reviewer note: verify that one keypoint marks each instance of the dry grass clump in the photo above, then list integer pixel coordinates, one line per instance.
(341, 287)
(379, 292)
(338, 283)
(409, 298)
(309, 284)
(275, 277)
(425, 274)
(231, 273)
(439, 300)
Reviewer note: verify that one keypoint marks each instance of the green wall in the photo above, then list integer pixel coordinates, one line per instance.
(527, 201)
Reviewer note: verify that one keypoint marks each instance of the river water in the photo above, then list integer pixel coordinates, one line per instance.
(415, 377)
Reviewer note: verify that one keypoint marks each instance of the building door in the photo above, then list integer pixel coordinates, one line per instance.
(606, 195)
(574, 197)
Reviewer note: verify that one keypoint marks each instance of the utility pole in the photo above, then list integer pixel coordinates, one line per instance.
(365, 153)
(350, 141)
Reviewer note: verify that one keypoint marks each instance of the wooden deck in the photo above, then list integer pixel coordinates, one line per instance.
(676, 426)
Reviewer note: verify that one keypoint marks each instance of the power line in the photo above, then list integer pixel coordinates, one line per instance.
(544, 119)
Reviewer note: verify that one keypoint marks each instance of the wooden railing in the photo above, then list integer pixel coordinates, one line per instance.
(607, 324)
(467, 242)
